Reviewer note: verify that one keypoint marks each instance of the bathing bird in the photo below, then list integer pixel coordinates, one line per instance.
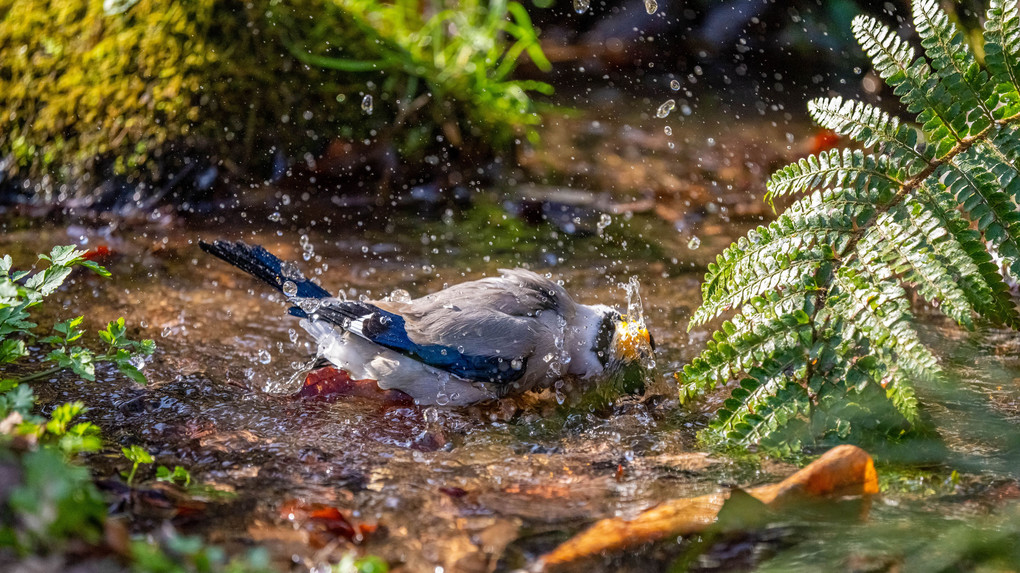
(468, 343)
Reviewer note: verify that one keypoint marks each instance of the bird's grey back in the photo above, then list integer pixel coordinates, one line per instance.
(501, 314)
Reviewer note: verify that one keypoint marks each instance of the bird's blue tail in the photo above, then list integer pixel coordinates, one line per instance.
(260, 263)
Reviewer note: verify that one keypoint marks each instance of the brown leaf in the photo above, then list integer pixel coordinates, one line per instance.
(843, 470)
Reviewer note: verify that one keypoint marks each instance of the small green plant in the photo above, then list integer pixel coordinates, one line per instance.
(54, 501)
(22, 290)
(180, 476)
(824, 344)
(187, 554)
(137, 456)
(350, 563)
(449, 60)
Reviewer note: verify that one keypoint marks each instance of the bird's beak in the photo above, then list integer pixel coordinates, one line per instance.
(631, 342)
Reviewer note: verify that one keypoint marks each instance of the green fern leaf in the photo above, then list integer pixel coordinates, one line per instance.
(897, 242)
(942, 123)
(957, 69)
(765, 401)
(1002, 44)
(824, 340)
(866, 123)
(879, 309)
(845, 168)
(961, 247)
(767, 324)
(788, 251)
(980, 195)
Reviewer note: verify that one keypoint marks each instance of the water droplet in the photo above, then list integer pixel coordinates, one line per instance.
(694, 243)
(366, 104)
(668, 130)
(651, 6)
(549, 358)
(166, 332)
(560, 397)
(400, 295)
(264, 357)
(309, 305)
(604, 221)
(430, 415)
(442, 399)
(581, 6)
(275, 217)
(138, 362)
(674, 85)
(516, 364)
(289, 288)
(665, 108)
(292, 335)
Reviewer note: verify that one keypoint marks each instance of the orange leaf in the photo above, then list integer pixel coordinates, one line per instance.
(843, 470)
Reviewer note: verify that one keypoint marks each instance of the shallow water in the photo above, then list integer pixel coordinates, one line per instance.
(474, 489)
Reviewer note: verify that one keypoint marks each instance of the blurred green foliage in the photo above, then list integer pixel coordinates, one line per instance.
(442, 63)
(137, 86)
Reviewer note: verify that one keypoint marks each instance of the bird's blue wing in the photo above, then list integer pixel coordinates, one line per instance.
(389, 330)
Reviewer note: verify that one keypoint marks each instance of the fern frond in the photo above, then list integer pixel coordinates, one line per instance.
(957, 69)
(878, 308)
(767, 324)
(895, 242)
(866, 123)
(1002, 155)
(1002, 44)
(943, 124)
(843, 167)
(824, 339)
(961, 247)
(765, 401)
(816, 228)
(981, 197)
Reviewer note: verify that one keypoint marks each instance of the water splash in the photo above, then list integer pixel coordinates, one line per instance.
(635, 308)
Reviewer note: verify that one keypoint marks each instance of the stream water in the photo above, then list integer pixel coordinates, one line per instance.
(474, 489)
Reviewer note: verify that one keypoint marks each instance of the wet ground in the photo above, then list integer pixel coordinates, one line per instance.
(477, 489)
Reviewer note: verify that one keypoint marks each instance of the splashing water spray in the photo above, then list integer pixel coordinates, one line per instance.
(634, 332)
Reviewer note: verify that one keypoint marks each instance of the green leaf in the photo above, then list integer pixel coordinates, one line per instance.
(11, 350)
(65, 255)
(129, 370)
(20, 399)
(137, 454)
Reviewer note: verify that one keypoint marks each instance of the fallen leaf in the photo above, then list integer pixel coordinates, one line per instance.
(843, 470)
(323, 523)
(329, 384)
